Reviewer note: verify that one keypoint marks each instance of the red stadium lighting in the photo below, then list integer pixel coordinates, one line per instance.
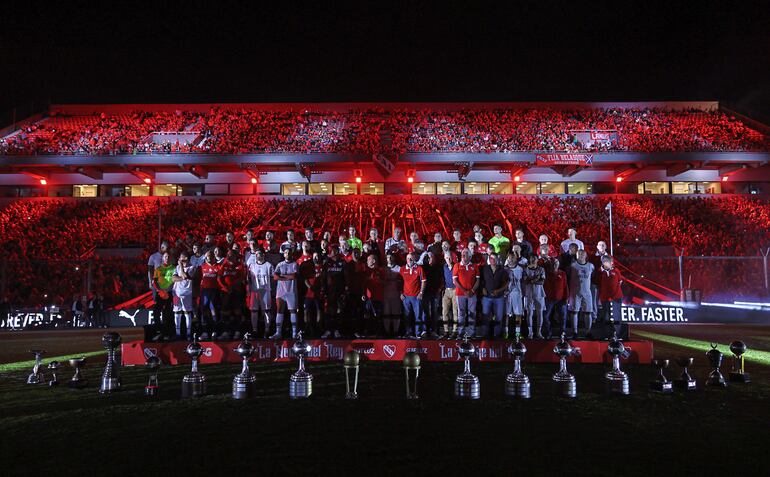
(618, 179)
(147, 180)
(410, 180)
(253, 180)
(516, 178)
(358, 180)
(43, 182)
(724, 178)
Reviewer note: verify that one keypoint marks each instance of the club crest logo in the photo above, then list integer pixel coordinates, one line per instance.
(389, 350)
(150, 352)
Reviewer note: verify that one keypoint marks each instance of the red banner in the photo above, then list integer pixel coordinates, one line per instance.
(538, 351)
(548, 160)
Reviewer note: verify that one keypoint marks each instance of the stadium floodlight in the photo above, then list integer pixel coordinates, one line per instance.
(253, 180)
(516, 178)
(147, 180)
(43, 182)
(618, 179)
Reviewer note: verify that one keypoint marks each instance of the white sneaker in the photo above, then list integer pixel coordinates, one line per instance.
(224, 336)
(204, 336)
(276, 336)
(337, 334)
(326, 335)
(359, 335)
(213, 336)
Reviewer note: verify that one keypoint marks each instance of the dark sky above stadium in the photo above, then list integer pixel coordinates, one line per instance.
(418, 51)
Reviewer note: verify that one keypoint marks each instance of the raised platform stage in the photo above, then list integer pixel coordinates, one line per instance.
(538, 351)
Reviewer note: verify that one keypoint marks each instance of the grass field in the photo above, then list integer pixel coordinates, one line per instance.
(81, 432)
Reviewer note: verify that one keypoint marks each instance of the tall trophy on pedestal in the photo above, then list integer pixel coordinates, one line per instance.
(412, 371)
(517, 383)
(564, 382)
(152, 364)
(301, 382)
(78, 381)
(738, 375)
(111, 374)
(467, 384)
(617, 380)
(685, 381)
(351, 361)
(54, 366)
(715, 376)
(245, 383)
(37, 376)
(661, 384)
(194, 383)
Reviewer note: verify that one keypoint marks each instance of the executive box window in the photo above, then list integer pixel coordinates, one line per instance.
(320, 188)
(579, 188)
(696, 188)
(552, 187)
(142, 190)
(501, 188)
(166, 190)
(344, 188)
(653, 188)
(448, 188)
(85, 190)
(526, 188)
(293, 189)
(424, 188)
(373, 188)
(476, 188)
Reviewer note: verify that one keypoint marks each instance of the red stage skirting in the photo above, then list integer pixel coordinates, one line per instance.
(538, 351)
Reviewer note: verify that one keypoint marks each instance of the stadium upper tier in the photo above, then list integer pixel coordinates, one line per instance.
(227, 129)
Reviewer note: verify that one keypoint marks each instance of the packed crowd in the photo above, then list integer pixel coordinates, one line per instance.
(46, 239)
(228, 131)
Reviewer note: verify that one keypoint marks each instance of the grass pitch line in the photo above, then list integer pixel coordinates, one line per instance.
(7, 367)
(755, 356)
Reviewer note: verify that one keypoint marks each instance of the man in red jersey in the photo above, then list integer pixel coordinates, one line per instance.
(610, 293)
(210, 298)
(414, 285)
(466, 279)
(232, 284)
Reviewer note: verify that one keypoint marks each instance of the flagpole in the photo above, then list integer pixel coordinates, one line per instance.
(609, 207)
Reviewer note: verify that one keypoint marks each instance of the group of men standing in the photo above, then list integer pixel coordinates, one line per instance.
(398, 287)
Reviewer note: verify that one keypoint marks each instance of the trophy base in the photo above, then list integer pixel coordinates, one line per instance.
(300, 387)
(736, 377)
(151, 391)
(109, 385)
(351, 395)
(565, 387)
(79, 384)
(193, 386)
(664, 387)
(244, 389)
(467, 386)
(35, 378)
(685, 384)
(517, 386)
(716, 380)
(618, 386)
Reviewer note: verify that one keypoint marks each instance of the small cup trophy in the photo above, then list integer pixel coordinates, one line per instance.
(715, 376)
(661, 384)
(617, 380)
(564, 382)
(301, 382)
(351, 361)
(517, 383)
(37, 376)
(194, 383)
(412, 371)
(152, 364)
(685, 381)
(467, 384)
(110, 376)
(78, 381)
(54, 366)
(738, 375)
(245, 383)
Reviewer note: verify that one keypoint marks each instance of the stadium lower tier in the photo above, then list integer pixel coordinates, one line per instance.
(538, 351)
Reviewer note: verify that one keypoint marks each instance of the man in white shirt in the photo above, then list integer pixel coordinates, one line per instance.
(260, 276)
(571, 238)
(285, 275)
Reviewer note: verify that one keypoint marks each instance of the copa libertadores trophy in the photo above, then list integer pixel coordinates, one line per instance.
(36, 377)
(517, 383)
(685, 381)
(617, 380)
(194, 383)
(661, 384)
(467, 384)
(412, 371)
(715, 376)
(351, 361)
(245, 383)
(301, 382)
(564, 382)
(54, 366)
(738, 375)
(78, 381)
(111, 375)
(152, 364)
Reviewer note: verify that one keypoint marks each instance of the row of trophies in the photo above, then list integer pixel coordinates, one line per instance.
(467, 385)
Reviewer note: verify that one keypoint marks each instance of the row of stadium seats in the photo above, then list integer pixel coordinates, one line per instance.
(44, 240)
(225, 131)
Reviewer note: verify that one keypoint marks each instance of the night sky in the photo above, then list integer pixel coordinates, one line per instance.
(415, 51)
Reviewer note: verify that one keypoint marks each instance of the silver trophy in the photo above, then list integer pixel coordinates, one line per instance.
(467, 385)
(412, 371)
(617, 380)
(301, 382)
(152, 364)
(245, 383)
(564, 382)
(111, 375)
(661, 384)
(685, 381)
(194, 383)
(738, 374)
(715, 376)
(351, 361)
(517, 383)
(37, 376)
(53, 366)
(78, 381)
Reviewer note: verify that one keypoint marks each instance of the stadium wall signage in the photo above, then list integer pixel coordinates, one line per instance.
(690, 314)
(548, 160)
